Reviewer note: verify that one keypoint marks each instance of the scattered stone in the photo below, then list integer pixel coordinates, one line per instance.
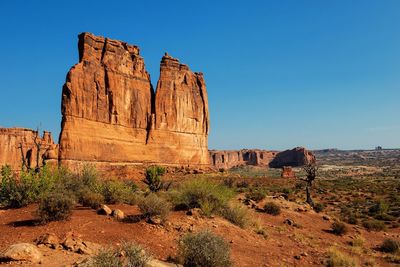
(156, 220)
(50, 240)
(297, 257)
(77, 245)
(118, 214)
(304, 254)
(22, 252)
(326, 218)
(157, 263)
(289, 222)
(104, 210)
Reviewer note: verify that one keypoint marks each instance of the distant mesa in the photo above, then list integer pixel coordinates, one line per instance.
(112, 116)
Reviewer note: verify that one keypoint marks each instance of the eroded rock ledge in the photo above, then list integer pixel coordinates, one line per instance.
(110, 112)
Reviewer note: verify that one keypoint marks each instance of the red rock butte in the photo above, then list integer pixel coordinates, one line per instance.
(111, 114)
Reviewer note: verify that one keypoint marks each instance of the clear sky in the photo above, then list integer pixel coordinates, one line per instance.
(279, 73)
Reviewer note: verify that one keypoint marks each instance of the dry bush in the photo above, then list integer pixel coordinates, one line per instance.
(340, 259)
(374, 225)
(390, 246)
(236, 214)
(204, 249)
(56, 206)
(272, 208)
(339, 228)
(153, 205)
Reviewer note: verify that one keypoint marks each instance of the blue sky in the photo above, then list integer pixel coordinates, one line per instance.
(279, 73)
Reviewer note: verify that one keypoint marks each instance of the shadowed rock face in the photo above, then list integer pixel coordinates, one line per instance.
(112, 115)
(18, 142)
(295, 157)
(226, 159)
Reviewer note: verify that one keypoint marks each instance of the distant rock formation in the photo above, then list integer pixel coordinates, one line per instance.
(18, 144)
(227, 159)
(295, 157)
(110, 113)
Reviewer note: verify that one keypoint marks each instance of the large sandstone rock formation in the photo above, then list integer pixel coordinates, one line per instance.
(295, 157)
(18, 144)
(226, 159)
(110, 113)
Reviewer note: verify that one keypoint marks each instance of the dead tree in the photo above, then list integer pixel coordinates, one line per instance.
(24, 165)
(38, 143)
(311, 174)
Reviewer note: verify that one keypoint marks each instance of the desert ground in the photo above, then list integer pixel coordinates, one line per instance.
(359, 189)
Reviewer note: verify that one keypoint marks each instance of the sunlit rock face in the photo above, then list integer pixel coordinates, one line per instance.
(19, 144)
(111, 114)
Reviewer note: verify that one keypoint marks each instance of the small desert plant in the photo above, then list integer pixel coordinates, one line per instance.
(374, 225)
(339, 259)
(358, 241)
(390, 246)
(203, 194)
(153, 205)
(235, 214)
(116, 191)
(256, 194)
(339, 228)
(380, 207)
(318, 207)
(204, 249)
(153, 178)
(272, 208)
(135, 255)
(56, 206)
(91, 199)
(105, 258)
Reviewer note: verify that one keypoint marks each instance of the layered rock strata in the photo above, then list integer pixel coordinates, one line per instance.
(226, 159)
(111, 114)
(19, 146)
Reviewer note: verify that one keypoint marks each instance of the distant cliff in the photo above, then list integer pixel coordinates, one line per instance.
(226, 159)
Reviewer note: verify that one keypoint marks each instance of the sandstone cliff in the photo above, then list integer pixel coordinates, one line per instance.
(19, 143)
(226, 159)
(295, 157)
(112, 115)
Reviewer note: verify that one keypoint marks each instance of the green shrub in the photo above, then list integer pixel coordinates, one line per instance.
(203, 194)
(379, 208)
(318, 207)
(374, 225)
(91, 199)
(153, 205)
(339, 259)
(56, 206)
(235, 214)
(135, 255)
(390, 246)
(153, 178)
(256, 194)
(105, 258)
(339, 228)
(272, 208)
(29, 187)
(116, 191)
(204, 249)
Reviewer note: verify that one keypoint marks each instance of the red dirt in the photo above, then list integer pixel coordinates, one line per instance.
(283, 243)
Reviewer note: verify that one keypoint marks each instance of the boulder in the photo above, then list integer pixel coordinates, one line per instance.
(22, 252)
(50, 240)
(104, 210)
(118, 214)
